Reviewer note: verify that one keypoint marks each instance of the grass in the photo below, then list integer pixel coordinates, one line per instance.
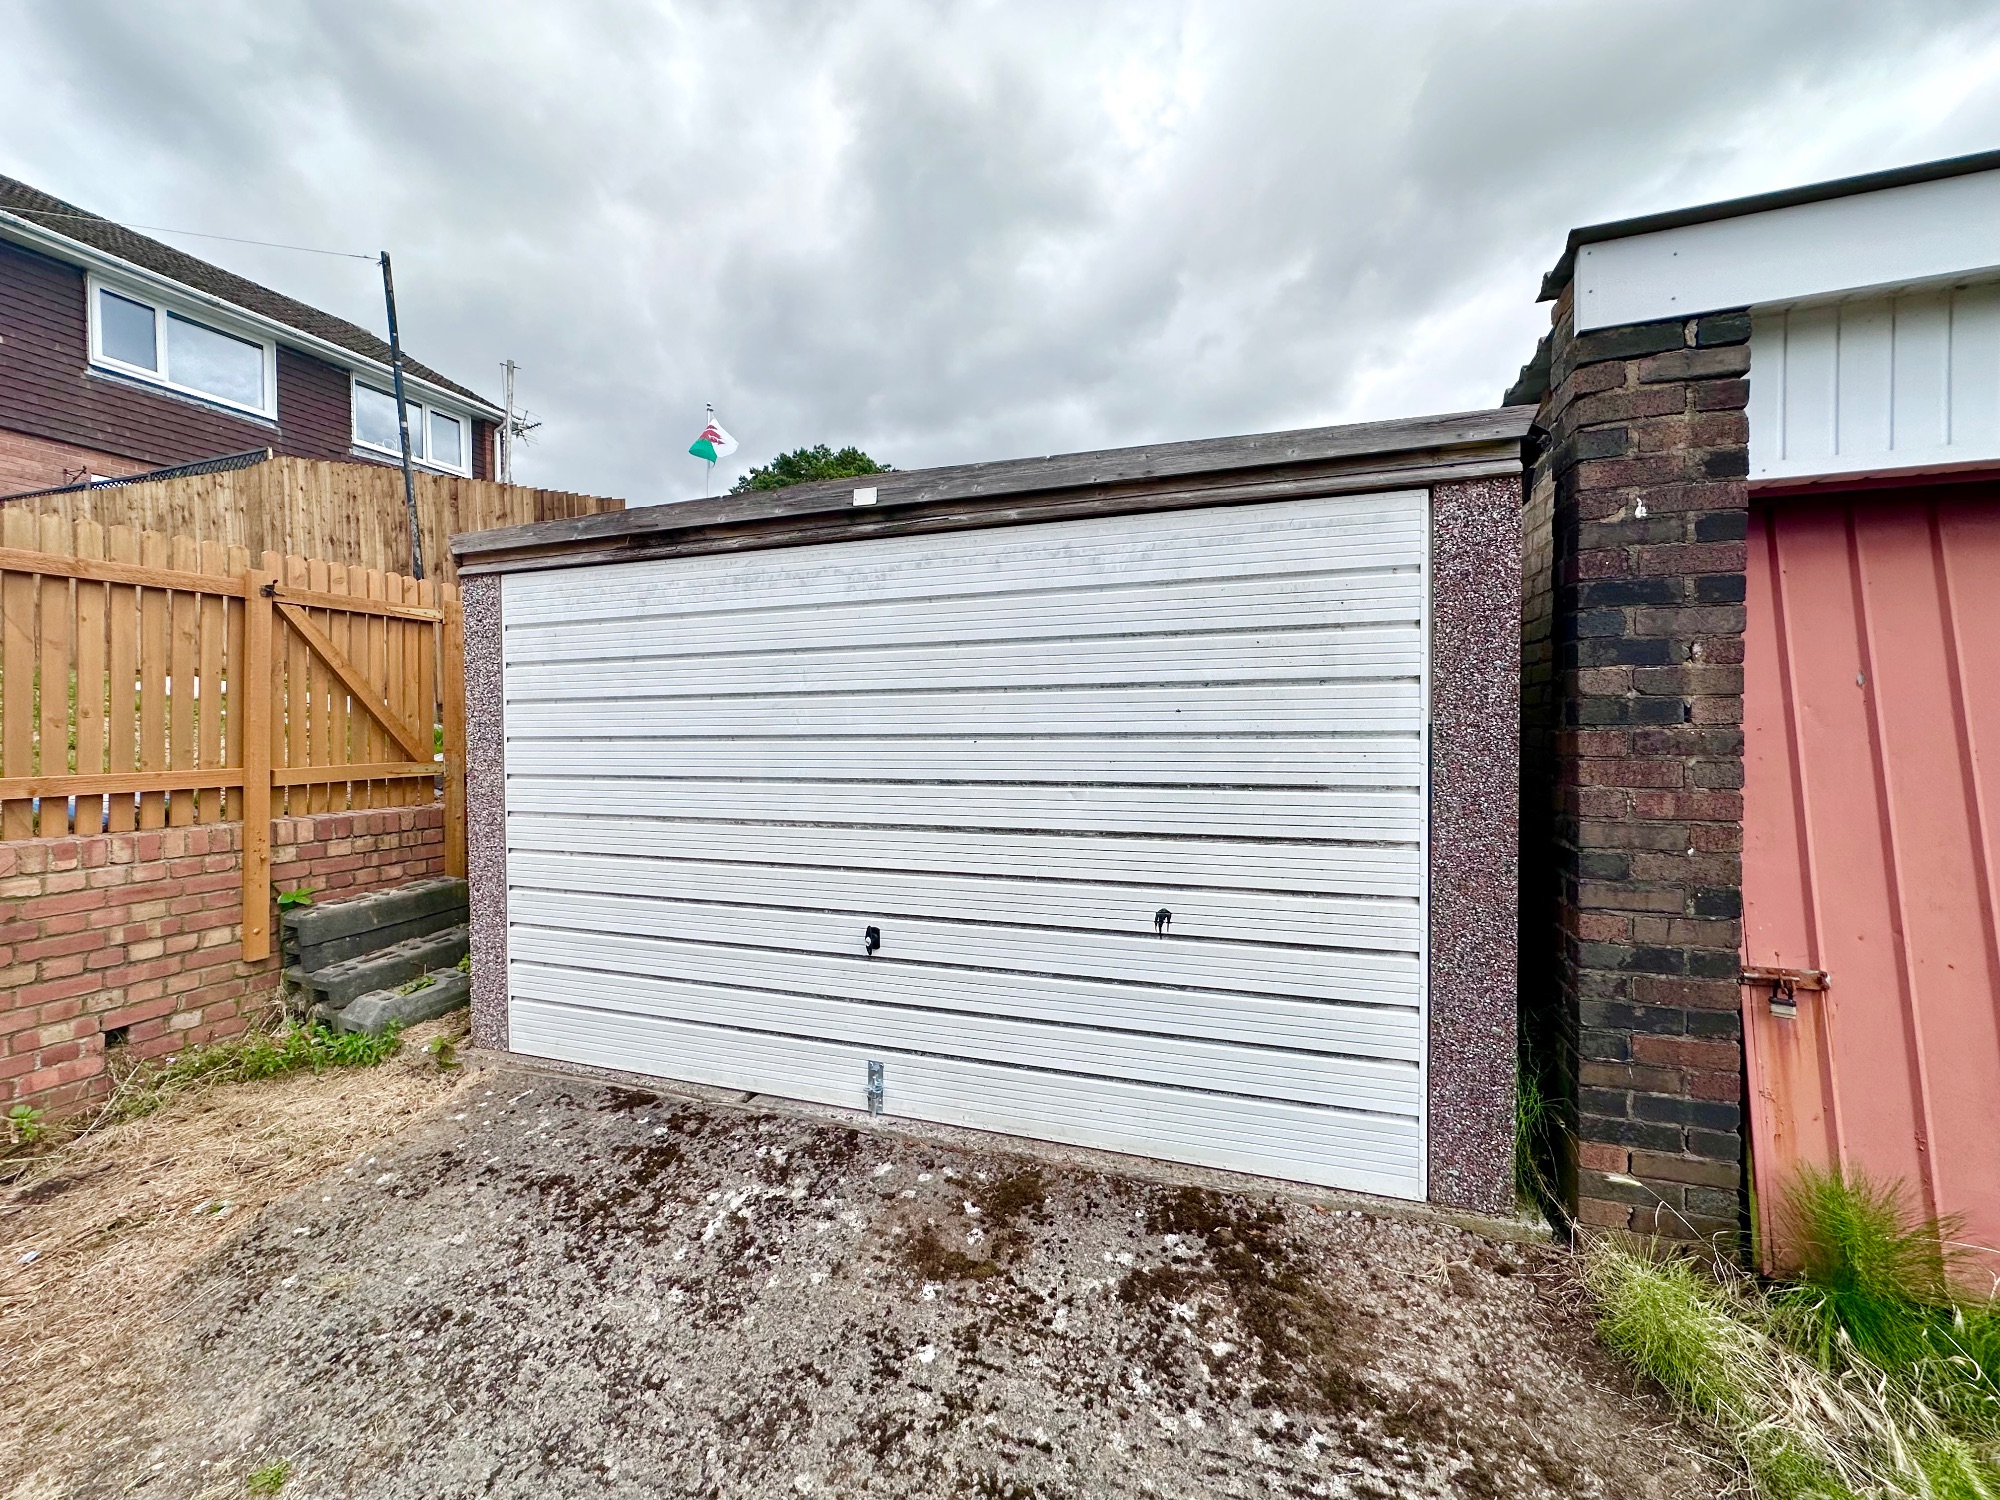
(244, 1059)
(1534, 1114)
(269, 1479)
(1872, 1374)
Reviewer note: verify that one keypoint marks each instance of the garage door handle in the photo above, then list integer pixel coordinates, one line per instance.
(871, 940)
(1162, 920)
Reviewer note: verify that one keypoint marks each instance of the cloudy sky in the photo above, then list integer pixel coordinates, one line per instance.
(950, 232)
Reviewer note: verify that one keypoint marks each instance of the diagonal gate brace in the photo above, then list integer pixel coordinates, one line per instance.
(365, 692)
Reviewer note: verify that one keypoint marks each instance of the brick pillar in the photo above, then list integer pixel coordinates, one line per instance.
(1641, 487)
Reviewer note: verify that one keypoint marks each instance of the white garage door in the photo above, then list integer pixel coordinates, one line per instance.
(1012, 753)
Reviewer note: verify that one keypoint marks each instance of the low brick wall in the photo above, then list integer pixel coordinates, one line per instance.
(134, 939)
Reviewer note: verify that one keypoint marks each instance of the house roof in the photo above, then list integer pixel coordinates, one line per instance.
(1356, 458)
(86, 228)
(1732, 208)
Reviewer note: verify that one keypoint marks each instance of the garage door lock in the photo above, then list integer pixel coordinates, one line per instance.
(874, 1088)
(871, 939)
(1785, 986)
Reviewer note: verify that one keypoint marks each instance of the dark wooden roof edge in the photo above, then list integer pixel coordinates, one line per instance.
(1161, 476)
(1735, 208)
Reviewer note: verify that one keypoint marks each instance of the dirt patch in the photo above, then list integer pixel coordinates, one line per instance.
(94, 1239)
(553, 1288)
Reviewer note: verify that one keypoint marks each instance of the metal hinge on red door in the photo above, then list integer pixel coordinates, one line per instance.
(1785, 985)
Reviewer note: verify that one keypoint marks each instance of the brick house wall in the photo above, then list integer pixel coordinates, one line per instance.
(28, 462)
(134, 939)
(1633, 748)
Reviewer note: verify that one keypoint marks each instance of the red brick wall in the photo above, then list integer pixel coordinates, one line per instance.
(141, 931)
(28, 462)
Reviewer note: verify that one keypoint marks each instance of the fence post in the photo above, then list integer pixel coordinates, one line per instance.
(255, 679)
(452, 637)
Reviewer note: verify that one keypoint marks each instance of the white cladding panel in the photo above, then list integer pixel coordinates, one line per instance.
(1892, 237)
(1876, 384)
(1007, 750)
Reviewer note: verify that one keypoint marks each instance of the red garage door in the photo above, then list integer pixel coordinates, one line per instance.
(1872, 835)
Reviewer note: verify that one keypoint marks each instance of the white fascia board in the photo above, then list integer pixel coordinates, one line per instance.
(1894, 237)
(61, 247)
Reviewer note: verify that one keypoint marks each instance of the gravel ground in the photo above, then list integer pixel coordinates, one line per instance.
(557, 1287)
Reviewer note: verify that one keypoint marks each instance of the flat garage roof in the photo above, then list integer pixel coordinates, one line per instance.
(1163, 476)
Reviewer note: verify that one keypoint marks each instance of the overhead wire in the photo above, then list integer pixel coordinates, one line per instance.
(196, 234)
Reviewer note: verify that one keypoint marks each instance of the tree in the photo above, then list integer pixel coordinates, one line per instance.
(803, 465)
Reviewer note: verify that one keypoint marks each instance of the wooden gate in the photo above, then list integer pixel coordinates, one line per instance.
(153, 682)
(1871, 1002)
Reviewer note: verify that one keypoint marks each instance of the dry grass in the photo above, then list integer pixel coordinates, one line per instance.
(1777, 1372)
(96, 1233)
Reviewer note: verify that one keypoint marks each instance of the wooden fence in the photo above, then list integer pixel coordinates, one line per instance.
(348, 513)
(153, 682)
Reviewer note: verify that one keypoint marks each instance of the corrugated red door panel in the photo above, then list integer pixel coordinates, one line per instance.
(1871, 717)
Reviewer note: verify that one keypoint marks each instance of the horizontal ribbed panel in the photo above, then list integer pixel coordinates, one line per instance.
(1009, 751)
(1239, 916)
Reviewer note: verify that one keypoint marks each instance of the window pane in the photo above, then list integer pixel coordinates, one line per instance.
(216, 363)
(125, 331)
(375, 421)
(447, 443)
(375, 418)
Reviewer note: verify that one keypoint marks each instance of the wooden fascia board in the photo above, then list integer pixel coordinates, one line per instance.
(826, 513)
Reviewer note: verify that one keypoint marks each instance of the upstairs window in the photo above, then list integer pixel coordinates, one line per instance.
(134, 334)
(375, 422)
(447, 446)
(437, 438)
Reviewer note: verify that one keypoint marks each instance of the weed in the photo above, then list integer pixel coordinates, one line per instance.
(1869, 1375)
(269, 1479)
(465, 964)
(24, 1125)
(294, 899)
(1876, 1285)
(443, 1051)
(1534, 1116)
(245, 1059)
(412, 986)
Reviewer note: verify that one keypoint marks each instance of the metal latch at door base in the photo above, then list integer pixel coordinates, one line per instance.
(1785, 986)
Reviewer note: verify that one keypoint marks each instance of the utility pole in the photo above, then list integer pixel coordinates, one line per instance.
(507, 368)
(403, 421)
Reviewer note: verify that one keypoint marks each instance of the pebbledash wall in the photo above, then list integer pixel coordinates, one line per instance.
(1632, 765)
(132, 940)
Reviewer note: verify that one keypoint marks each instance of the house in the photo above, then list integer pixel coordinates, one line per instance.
(1761, 699)
(119, 355)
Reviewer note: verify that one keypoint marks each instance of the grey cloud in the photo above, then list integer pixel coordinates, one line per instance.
(959, 231)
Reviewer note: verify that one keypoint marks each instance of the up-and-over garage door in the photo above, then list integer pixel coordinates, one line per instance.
(1133, 808)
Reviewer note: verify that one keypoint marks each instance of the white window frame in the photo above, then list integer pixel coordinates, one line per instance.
(420, 429)
(193, 313)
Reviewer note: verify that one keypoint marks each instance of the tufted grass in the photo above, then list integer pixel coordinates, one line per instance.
(1872, 1374)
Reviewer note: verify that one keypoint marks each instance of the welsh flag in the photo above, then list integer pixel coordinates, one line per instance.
(713, 443)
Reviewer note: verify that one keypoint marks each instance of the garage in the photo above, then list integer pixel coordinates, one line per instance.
(1105, 817)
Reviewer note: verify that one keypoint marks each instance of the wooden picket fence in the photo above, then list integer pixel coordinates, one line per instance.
(149, 681)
